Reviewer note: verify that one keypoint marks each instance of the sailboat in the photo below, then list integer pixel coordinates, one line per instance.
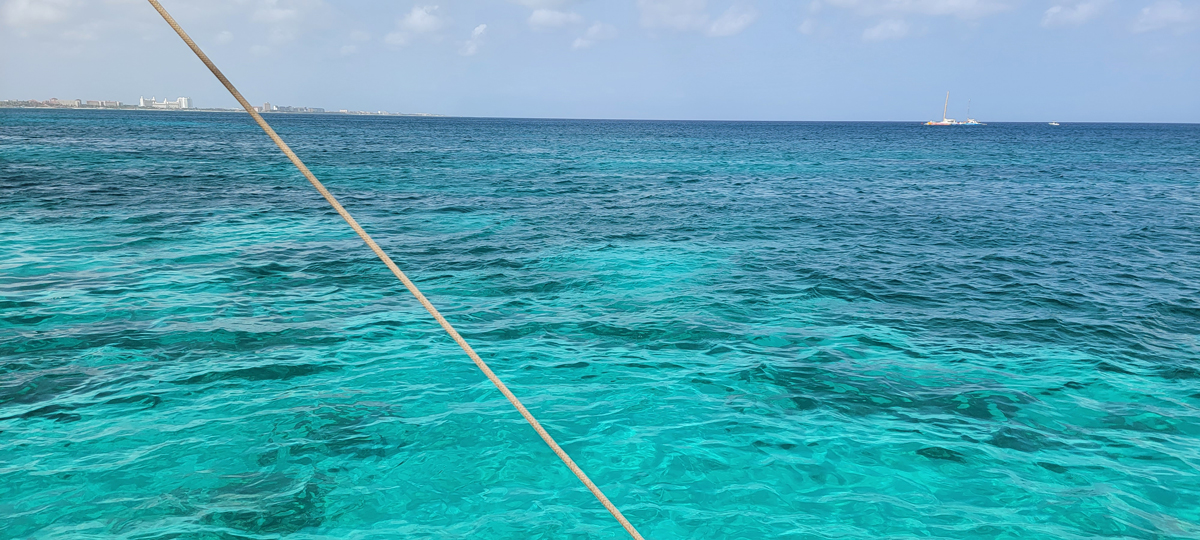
(970, 121)
(945, 121)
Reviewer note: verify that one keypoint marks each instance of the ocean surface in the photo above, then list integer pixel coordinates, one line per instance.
(739, 330)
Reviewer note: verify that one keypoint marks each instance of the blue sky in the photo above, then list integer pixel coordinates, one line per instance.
(1016, 60)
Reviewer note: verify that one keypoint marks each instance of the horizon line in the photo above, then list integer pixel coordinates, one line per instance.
(580, 119)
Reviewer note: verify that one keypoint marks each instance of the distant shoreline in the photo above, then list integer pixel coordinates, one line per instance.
(10, 105)
(549, 118)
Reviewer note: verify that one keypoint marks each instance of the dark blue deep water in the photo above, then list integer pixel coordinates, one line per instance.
(740, 330)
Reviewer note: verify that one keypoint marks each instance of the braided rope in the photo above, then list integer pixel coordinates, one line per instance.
(399, 274)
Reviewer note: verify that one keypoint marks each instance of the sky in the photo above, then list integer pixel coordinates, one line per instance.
(1012, 60)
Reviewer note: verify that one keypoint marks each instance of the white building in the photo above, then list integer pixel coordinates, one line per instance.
(181, 103)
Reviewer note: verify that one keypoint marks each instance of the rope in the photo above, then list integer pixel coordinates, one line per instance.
(408, 284)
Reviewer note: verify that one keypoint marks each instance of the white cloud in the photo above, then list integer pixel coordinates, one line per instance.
(810, 24)
(733, 21)
(357, 36)
(889, 29)
(266, 22)
(1073, 15)
(421, 20)
(273, 13)
(284, 19)
(597, 32)
(26, 13)
(84, 32)
(471, 46)
(537, 4)
(673, 14)
(682, 15)
(1163, 14)
(965, 9)
(542, 19)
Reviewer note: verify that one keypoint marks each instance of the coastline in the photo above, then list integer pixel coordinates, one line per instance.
(565, 119)
(9, 105)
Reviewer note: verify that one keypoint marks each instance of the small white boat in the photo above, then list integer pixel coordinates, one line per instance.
(1054, 123)
(970, 121)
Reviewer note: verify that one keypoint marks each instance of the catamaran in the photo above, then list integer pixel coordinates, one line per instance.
(952, 122)
(945, 121)
(970, 121)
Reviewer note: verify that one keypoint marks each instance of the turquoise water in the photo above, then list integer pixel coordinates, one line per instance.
(740, 330)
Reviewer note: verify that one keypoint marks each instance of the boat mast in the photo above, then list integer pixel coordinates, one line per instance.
(945, 106)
